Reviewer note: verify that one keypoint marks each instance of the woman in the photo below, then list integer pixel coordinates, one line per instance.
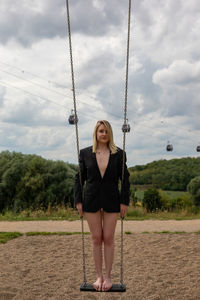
(101, 168)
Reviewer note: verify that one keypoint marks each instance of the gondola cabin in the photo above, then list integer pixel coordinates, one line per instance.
(198, 148)
(169, 147)
(126, 127)
(72, 119)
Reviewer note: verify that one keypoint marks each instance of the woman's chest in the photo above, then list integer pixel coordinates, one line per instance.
(102, 162)
(98, 167)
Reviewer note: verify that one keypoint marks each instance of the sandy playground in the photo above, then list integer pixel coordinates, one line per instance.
(156, 266)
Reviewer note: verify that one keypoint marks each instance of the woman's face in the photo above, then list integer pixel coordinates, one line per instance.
(102, 134)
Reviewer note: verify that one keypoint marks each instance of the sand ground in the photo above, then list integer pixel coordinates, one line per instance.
(156, 266)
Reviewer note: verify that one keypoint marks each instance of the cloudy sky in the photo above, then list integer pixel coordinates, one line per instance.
(164, 76)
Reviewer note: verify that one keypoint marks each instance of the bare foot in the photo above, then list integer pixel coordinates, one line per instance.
(98, 284)
(107, 284)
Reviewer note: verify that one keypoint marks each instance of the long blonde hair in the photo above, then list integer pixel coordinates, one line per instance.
(111, 144)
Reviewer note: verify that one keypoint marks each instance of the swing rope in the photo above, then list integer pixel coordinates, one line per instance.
(77, 138)
(124, 132)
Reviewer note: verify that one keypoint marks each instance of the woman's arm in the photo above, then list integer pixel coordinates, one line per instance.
(125, 185)
(123, 210)
(79, 207)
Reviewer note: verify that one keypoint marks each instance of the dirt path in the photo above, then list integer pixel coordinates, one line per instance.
(133, 226)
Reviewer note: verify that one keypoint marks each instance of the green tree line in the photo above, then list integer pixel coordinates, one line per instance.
(174, 174)
(32, 182)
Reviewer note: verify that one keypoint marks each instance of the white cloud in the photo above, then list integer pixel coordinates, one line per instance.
(180, 88)
(35, 76)
(180, 72)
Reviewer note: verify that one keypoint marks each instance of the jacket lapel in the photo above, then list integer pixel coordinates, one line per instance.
(94, 163)
(97, 167)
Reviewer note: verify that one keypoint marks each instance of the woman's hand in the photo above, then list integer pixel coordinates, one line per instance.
(79, 206)
(123, 210)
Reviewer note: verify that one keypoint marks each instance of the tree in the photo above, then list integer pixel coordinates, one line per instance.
(172, 174)
(32, 182)
(194, 190)
(10, 180)
(152, 200)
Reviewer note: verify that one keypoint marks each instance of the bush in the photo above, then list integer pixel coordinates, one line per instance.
(133, 195)
(152, 200)
(165, 200)
(194, 190)
(176, 203)
(137, 212)
(194, 210)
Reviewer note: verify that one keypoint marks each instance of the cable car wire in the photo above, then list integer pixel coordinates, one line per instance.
(81, 101)
(27, 92)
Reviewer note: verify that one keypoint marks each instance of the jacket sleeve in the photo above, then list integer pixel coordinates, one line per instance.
(125, 185)
(78, 186)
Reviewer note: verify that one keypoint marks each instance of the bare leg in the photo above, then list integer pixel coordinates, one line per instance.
(109, 225)
(95, 224)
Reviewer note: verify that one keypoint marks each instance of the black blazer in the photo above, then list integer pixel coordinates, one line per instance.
(101, 192)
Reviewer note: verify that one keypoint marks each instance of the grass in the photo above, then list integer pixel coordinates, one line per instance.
(134, 213)
(138, 213)
(6, 236)
(59, 213)
(170, 232)
(140, 195)
(171, 194)
(165, 232)
(175, 194)
(33, 233)
(66, 213)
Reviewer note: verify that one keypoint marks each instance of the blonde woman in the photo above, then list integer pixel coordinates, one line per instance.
(101, 169)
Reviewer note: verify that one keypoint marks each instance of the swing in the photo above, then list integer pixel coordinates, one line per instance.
(88, 287)
(85, 286)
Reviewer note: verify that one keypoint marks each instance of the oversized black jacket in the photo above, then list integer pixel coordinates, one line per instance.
(101, 192)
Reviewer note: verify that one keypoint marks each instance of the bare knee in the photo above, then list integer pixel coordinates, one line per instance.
(108, 239)
(97, 239)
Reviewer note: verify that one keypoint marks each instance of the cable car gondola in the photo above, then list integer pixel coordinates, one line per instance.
(198, 148)
(169, 146)
(72, 119)
(126, 127)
